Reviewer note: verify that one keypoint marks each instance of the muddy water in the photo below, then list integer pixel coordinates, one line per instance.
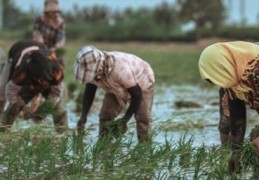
(198, 116)
(199, 121)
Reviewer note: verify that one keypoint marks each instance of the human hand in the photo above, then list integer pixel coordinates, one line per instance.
(122, 125)
(80, 126)
(118, 127)
(255, 142)
(234, 165)
(27, 113)
(60, 52)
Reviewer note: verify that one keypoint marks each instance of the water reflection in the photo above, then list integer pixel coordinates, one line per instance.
(169, 120)
(200, 122)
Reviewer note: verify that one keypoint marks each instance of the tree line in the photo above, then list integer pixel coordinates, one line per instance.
(184, 20)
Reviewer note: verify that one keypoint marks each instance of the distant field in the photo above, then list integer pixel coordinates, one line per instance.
(173, 63)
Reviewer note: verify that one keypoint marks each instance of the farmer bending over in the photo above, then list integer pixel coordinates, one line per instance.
(125, 78)
(234, 67)
(31, 69)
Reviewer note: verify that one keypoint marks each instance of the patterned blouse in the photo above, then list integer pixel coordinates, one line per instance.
(51, 36)
(128, 70)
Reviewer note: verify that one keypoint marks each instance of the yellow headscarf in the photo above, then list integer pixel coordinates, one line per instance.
(228, 64)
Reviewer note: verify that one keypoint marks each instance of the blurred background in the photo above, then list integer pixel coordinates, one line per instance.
(114, 20)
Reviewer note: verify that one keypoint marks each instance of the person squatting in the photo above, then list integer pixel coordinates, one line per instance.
(31, 69)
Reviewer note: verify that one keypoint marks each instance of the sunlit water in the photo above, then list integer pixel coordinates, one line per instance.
(206, 117)
(168, 120)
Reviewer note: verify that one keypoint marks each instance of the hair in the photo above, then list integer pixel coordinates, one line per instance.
(39, 66)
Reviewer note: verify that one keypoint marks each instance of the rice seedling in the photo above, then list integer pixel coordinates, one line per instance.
(34, 153)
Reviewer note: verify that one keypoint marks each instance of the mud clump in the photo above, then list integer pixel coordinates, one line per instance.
(186, 104)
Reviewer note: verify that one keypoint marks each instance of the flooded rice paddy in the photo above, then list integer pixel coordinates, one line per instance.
(177, 110)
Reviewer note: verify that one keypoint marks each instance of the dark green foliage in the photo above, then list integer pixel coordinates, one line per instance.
(204, 13)
(173, 67)
(60, 52)
(71, 87)
(78, 102)
(14, 17)
(47, 108)
(240, 33)
(137, 25)
(250, 159)
(165, 14)
(162, 23)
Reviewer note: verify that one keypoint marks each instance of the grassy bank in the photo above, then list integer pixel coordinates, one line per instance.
(172, 64)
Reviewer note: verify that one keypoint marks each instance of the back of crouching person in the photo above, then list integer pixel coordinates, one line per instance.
(31, 70)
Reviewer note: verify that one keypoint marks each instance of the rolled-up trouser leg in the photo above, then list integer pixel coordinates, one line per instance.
(60, 118)
(143, 116)
(111, 107)
(224, 122)
(9, 116)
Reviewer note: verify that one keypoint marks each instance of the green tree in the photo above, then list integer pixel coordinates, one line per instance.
(87, 14)
(166, 15)
(204, 13)
(13, 17)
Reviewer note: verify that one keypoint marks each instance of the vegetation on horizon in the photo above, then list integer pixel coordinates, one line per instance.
(185, 21)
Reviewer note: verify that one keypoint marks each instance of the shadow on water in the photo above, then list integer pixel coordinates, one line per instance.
(176, 110)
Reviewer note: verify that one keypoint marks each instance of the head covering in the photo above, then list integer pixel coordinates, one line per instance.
(228, 65)
(38, 64)
(92, 64)
(51, 5)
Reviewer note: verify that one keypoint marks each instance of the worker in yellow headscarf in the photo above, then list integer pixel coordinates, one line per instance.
(234, 67)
